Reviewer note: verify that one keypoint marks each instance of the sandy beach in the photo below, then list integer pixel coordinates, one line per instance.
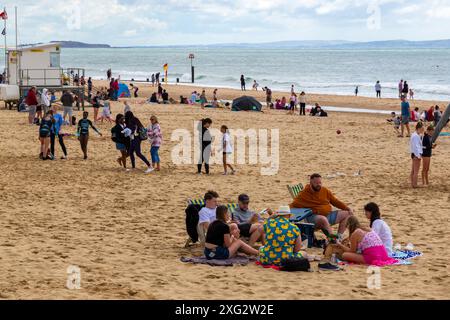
(126, 231)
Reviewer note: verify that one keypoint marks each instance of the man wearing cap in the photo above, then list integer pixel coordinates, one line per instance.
(320, 200)
(248, 221)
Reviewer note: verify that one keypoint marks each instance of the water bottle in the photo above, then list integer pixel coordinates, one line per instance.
(333, 258)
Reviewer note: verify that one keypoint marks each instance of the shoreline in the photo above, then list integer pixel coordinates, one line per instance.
(327, 100)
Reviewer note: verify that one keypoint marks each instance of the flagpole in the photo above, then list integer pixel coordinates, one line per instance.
(6, 58)
(15, 14)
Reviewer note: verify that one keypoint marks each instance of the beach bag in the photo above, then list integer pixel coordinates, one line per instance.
(142, 133)
(192, 219)
(295, 264)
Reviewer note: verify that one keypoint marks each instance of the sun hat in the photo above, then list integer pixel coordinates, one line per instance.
(282, 211)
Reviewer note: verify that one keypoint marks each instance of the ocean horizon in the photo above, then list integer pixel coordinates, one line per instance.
(324, 71)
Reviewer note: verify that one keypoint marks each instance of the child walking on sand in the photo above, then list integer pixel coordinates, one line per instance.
(155, 136)
(106, 113)
(83, 132)
(227, 150)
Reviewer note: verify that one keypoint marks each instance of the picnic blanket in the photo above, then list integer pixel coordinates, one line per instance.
(239, 260)
(268, 266)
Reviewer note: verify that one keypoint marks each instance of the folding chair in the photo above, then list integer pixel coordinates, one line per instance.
(295, 190)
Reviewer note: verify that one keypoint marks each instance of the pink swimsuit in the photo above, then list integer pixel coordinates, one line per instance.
(373, 250)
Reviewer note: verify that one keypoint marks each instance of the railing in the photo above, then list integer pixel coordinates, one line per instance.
(54, 77)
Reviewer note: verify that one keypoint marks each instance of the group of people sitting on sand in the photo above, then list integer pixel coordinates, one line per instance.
(222, 232)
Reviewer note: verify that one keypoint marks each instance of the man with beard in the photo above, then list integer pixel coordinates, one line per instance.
(320, 200)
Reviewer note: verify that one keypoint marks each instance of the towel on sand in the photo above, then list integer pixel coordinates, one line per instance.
(238, 260)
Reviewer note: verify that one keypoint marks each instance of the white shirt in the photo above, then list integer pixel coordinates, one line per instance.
(227, 139)
(206, 215)
(382, 229)
(416, 145)
(302, 99)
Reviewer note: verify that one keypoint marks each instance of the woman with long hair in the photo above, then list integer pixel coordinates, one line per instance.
(428, 146)
(366, 241)
(155, 136)
(135, 125)
(416, 148)
(378, 225)
(118, 136)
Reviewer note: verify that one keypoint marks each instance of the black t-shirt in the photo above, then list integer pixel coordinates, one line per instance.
(216, 231)
(427, 146)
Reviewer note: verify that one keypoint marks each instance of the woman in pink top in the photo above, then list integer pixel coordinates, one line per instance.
(368, 243)
(155, 136)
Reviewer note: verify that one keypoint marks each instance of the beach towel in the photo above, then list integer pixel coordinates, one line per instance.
(405, 254)
(268, 266)
(239, 260)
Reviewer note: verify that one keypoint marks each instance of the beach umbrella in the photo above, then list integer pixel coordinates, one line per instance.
(246, 103)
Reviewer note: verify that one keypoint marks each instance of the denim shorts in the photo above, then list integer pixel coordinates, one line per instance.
(219, 253)
(154, 153)
(120, 146)
(332, 216)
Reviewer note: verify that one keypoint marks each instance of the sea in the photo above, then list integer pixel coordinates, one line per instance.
(330, 71)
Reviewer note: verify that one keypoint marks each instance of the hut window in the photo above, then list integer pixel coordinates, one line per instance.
(55, 60)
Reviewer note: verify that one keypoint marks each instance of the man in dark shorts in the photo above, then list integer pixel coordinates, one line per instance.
(249, 222)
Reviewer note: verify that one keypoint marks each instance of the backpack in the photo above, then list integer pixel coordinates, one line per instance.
(142, 131)
(114, 135)
(192, 219)
(295, 264)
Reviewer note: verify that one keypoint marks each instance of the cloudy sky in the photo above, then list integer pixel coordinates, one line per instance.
(156, 22)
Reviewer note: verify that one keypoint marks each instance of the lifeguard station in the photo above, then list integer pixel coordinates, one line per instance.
(40, 66)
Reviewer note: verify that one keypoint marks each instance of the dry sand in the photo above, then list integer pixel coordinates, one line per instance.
(126, 231)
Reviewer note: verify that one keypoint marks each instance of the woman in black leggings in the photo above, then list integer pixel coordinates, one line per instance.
(205, 151)
(135, 126)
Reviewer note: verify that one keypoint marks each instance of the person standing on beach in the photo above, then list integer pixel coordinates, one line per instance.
(160, 91)
(56, 132)
(155, 136)
(157, 78)
(255, 85)
(406, 113)
(242, 82)
(268, 97)
(356, 91)
(302, 101)
(31, 101)
(203, 99)
(89, 83)
(205, 142)
(215, 102)
(109, 74)
(116, 89)
(400, 88)
(153, 79)
(45, 129)
(67, 101)
(428, 146)
(136, 127)
(118, 136)
(405, 90)
(96, 103)
(416, 148)
(83, 132)
(378, 89)
(437, 115)
(227, 150)
(292, 89)
(292, 103)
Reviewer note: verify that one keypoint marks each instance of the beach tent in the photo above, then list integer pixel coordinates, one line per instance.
(124, 91)
(246, 103)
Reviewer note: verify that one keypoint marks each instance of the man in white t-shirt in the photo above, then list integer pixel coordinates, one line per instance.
(207, 214)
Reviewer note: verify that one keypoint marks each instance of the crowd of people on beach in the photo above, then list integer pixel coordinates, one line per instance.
(224, 232)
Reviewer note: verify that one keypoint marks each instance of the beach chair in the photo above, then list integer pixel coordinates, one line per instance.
(306, 229)
(295, 189)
